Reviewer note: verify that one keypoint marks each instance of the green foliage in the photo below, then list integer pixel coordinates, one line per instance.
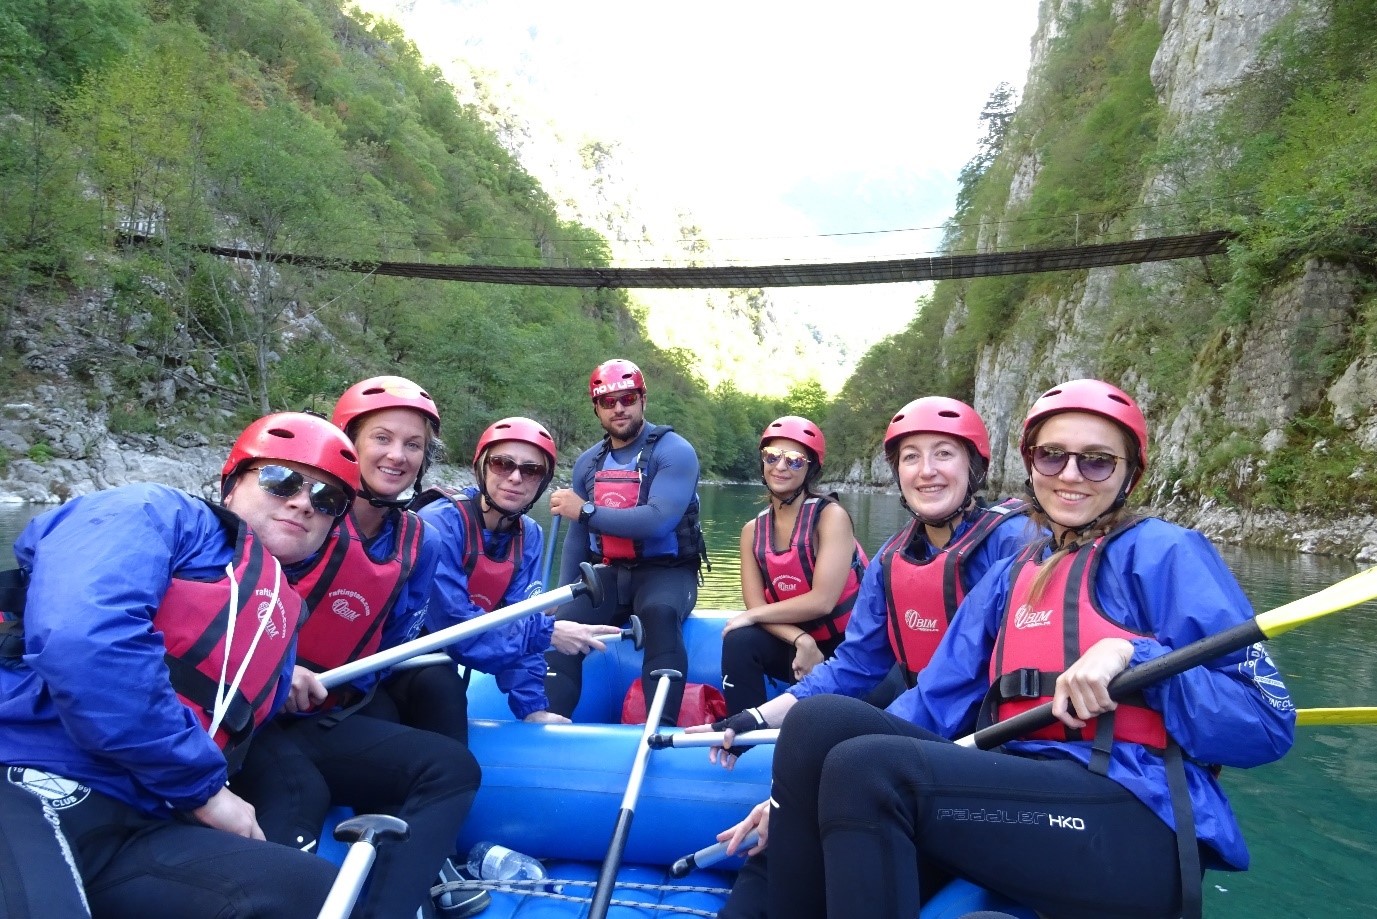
(41, 452)
(1320, 469)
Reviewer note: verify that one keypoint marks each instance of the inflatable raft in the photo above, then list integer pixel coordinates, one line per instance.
(554, 792)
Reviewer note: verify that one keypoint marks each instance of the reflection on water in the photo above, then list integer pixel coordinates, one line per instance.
(1311, 819)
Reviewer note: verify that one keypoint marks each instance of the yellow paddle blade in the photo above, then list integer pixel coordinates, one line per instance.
(1351, 591)
(1315, 716)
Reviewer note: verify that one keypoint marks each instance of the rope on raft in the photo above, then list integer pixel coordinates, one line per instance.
(539, 888)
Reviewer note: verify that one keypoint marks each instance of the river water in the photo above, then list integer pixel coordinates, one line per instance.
(1311, 819)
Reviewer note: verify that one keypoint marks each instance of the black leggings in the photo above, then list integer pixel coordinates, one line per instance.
(662, 596)
(297, 767)
(870, 808)
(749, 655)
(133, 866)
(433, 698)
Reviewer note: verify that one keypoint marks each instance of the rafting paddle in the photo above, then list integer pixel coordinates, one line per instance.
(588, 585)
(607, 877)
(1319, 717)
(548, 561)
(1349, 592)
(364, 833)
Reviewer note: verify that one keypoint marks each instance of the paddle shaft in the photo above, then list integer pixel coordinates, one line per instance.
(710, 855)
(1126, 683)
(607, 877)
(448, 636)
(367, 832)
(547, 563)
(714, 739)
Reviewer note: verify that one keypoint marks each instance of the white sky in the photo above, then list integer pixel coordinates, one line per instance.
(773, 122)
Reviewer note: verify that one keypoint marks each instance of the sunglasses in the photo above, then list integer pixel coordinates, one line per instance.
(281, 482)
(793, 459)
(626, 400)
(1094, 466)
(505, 466)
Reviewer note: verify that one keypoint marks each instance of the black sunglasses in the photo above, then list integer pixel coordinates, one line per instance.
(1094, 466)
(281, 482)
(505, 466)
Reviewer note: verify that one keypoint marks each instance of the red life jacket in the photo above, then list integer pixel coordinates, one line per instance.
(194, 620)
(617, 488)
(350, 594)
(790, 572)
(489, 578)
(920, 597)
(1038, 640)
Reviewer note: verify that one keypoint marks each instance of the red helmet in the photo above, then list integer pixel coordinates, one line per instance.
(796, 427)
(1097, 398)
(614, 376)
(939, 415)
(300, 438)
(377, 393)
(517, 428)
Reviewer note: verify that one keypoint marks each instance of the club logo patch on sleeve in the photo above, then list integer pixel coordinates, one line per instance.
(57, 791)
(1259, 668)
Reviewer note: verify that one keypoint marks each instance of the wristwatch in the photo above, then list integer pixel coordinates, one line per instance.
(587, 511)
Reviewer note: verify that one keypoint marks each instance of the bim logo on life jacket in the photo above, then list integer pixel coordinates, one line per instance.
(348, 605)
(918, 622)
(1025, 617)
(276, 616)
(786, 583)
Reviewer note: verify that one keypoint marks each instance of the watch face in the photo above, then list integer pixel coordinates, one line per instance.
(588, 508)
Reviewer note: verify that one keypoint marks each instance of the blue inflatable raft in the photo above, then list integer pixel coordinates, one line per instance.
(554, 792)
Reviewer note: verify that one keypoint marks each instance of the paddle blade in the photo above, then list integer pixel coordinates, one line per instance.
(1351, 591)
(1308, 717)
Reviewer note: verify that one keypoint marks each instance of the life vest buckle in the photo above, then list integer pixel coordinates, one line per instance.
(1028, 683)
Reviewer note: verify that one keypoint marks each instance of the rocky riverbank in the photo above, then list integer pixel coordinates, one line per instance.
(55, 453)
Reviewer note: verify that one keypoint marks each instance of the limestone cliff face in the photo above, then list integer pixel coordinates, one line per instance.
(1276, 367)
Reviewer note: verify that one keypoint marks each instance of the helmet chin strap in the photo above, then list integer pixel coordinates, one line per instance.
(400, 504)
(945, 522)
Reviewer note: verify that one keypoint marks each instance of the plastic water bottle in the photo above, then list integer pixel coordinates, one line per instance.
(491, 862)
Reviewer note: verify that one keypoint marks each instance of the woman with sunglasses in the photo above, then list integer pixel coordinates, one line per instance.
(490, 558)
(798, 598)
(358, 745)
(1116, 808)
(147, 634)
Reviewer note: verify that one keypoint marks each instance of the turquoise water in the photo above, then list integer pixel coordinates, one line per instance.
(1311, 819)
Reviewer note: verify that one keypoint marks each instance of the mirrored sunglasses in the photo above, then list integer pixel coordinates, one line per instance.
(505, 466)
(1094, 466)
(281, 482)
(626, 399)
(793, 459)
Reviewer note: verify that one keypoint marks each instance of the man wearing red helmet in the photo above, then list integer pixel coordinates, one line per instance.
(634, 506)
(490, 551)
(1112, 810)
(368, 589)
(152, 635)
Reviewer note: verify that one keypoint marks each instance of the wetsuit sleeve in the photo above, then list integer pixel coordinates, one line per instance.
(1234, 711)
(99, 569)
(864, 656)
(673, 480)
(947, 697)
